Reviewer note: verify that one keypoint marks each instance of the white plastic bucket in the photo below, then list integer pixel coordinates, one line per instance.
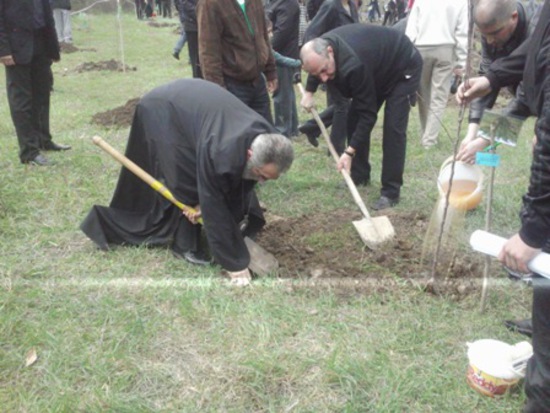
(493, 365)
(467, 187)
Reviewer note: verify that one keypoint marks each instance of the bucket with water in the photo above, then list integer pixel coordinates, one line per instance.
(467, 187)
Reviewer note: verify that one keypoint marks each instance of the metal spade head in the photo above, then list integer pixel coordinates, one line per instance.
(500, 128)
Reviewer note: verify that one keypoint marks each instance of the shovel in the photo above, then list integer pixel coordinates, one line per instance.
(261, 262)
(373, 231)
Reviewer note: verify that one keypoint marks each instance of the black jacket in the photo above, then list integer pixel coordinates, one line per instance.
(189, 8)
(370, 61)
(285, 17)
(312, 7)
(490, 53)
(185, 134)
(330, 16)
(61, 4)
(531, 62)
(17, 30)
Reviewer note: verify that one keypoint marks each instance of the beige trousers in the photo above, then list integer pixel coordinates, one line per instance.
(435, 84)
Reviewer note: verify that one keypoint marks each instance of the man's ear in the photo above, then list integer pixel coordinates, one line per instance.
(248, 154)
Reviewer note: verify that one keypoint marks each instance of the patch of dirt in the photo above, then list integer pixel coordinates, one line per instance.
(119, 117)
(300, 245)
(109, 65)
(157, 24)
(71, 48)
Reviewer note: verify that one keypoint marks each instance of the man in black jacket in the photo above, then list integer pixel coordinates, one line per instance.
(189, 9)
(285, 19)
(373, 66)
(530, 63)
(28, 44)
(332, 14)
(504, 25)
(209, 149)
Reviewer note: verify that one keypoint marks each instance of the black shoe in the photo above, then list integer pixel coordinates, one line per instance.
(311, 136)
(40, 160)
(384, 202)
(192, 257)
(52, 146)
(524, 327)
(176, 55)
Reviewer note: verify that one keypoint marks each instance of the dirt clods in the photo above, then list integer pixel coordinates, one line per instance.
(110, 65)
(120, 117)
(326, 247)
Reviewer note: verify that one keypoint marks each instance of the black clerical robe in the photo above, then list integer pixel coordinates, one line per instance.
(193, 136)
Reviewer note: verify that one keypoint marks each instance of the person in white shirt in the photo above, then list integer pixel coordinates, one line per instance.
(439, 30)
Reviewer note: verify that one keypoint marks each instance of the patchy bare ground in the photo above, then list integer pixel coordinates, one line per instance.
(71, 48)
(318, 248)
(157, 24)
(108, 65)
(119, 117)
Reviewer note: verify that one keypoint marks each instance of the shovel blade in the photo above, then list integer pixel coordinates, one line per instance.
(375, 231)
(262, 263)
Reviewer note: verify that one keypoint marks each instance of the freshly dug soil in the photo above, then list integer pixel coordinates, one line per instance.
(119, 117)
(300, 245)
(110, 65)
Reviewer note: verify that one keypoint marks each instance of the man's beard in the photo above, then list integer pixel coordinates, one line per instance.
(248, 174)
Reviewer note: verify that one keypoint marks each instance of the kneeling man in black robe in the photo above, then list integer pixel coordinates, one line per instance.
(210, 150)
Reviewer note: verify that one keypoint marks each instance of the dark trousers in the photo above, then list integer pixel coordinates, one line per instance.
(29, 100)
(193, 47)
(284, 103)
(398, 103)
(537, 378)
(336, 114)
(253, 94)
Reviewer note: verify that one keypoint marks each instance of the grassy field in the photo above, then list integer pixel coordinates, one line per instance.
(137, 330)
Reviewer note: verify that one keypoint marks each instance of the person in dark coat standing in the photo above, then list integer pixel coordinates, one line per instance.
(28, 45)
(529, 63)
(332, 14)
(209, 149)
(189, 8)
(312, 7)
(373, 66)
(284, 16)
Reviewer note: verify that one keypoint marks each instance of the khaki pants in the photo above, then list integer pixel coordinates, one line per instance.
(434, 89)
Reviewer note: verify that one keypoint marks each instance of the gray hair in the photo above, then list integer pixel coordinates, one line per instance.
(317, 45)
(272, 148)
(491, 12)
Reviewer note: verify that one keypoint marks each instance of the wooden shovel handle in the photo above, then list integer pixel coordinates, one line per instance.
(140, 173)
(353, 189)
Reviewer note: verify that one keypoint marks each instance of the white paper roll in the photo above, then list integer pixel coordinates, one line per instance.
(490, 244)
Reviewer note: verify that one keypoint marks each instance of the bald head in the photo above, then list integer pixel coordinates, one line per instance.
(493, 12)
(496, 20)
(318, 59)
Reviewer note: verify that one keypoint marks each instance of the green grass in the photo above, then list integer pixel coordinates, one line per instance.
(136, 330)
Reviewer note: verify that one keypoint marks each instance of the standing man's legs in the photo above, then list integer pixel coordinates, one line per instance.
(434, 90)
(67, 29)
(396, 119)
(253, 94)
(338, 133)
(537, 379)
(20, 99)
(193, 46)
(58, 20)
(284, 103)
